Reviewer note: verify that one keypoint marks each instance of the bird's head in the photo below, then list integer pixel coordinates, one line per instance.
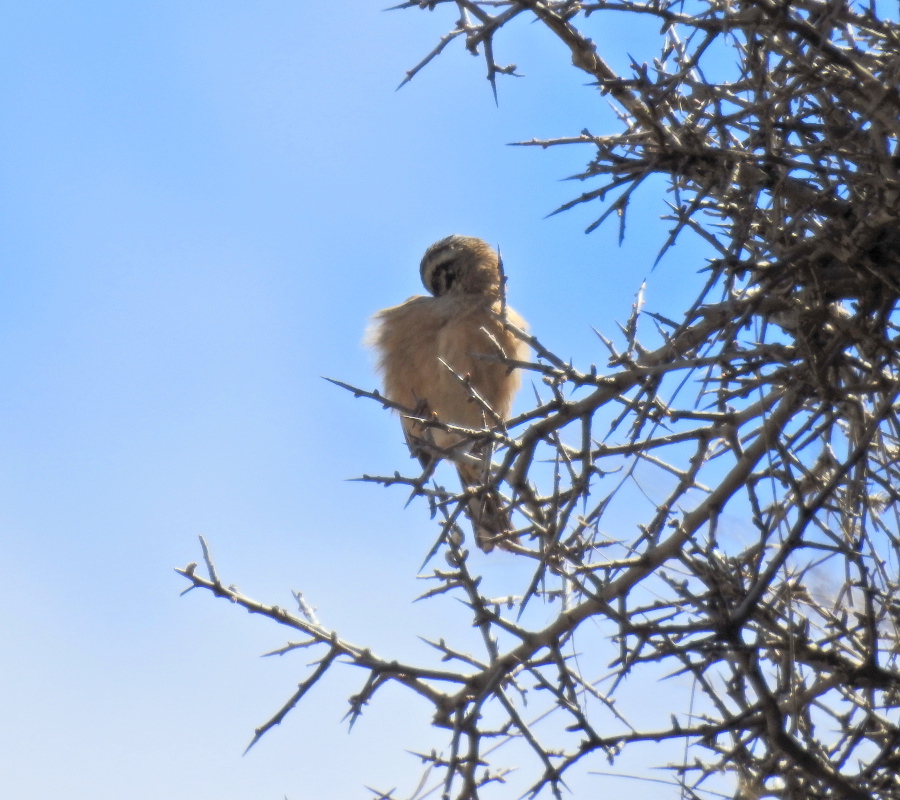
(460, 265)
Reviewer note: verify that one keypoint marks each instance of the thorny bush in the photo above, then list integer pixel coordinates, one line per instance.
(773, 399)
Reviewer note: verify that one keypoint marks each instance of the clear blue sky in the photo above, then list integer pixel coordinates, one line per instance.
(201, 203)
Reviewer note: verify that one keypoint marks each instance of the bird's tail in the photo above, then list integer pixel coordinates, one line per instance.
(489, 513)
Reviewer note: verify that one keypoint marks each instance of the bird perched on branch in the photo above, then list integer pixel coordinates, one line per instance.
(441, 357)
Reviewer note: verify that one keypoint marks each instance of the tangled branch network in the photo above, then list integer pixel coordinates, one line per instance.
(774, 399)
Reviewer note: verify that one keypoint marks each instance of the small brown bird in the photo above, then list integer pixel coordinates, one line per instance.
(427, 344)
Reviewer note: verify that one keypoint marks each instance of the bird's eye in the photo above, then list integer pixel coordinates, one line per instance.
(442, 278)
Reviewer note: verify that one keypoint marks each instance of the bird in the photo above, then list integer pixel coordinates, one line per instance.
(435, 352)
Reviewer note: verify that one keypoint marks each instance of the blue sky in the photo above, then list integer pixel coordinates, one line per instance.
(201, 203)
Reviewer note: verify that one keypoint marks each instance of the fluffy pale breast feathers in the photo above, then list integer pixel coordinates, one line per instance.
(418, 340)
